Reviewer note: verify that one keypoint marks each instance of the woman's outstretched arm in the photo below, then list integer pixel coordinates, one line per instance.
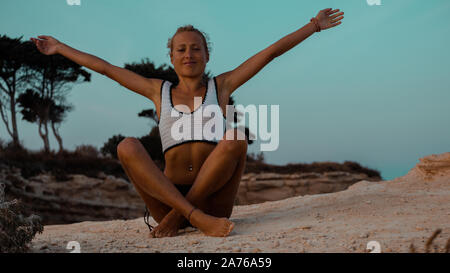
(147, 87)
(231, 80)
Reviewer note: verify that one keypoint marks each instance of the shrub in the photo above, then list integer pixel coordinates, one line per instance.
(16, 230)
(257, 158)
(60, 165)
(110, 147)
(86, 150)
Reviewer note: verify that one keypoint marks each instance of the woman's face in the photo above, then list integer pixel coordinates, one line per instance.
(188, 56)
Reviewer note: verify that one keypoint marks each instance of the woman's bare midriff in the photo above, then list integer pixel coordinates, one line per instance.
(184, 162)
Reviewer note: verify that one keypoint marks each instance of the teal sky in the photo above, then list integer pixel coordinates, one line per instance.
(375, 90)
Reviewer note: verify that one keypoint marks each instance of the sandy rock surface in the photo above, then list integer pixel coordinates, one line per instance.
(393, 213)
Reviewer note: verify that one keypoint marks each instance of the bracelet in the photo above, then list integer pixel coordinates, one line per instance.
(314, 20)
(189, 215)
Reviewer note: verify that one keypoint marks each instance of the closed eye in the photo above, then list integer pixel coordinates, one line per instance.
(183, 49)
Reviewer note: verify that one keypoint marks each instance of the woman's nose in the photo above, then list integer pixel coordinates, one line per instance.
(188, 53)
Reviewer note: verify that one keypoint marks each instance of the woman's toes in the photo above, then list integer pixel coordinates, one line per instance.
(230, 228)
(167, 233)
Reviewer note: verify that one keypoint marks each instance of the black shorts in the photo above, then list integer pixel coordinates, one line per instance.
(183, 188)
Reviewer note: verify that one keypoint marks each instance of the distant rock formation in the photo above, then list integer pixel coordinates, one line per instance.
(433, 165)
(258, 188)
(79, 199)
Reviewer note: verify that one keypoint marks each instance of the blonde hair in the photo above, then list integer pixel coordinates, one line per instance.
(184, 28)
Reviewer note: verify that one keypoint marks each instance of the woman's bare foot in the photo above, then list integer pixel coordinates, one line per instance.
(210, 225)
(169, 226)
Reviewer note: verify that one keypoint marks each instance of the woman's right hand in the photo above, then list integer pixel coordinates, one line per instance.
(329, 18)
(46, 44)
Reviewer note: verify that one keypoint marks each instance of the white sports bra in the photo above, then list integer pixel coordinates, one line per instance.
(178, 127)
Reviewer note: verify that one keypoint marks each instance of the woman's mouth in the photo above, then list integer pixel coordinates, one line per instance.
(189, 63)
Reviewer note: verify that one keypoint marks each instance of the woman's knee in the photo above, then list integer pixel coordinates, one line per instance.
(128, 146)
(235, 141)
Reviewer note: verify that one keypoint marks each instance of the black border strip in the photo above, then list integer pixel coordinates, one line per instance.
(221, 262)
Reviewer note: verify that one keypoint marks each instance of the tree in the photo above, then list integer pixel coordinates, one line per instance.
(58, 113)
(36, 109)
(149, 113)
(14, 76)
(33, 110)
(146, 68)
(52, 77)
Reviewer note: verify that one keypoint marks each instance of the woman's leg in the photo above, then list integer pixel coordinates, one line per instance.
(157, 208)
(220, 166)
(149, 180)
(216, 184)
(221, 203)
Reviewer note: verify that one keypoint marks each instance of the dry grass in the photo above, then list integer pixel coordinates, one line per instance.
(429, 245)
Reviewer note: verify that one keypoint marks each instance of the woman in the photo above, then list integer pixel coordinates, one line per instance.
(201, 178)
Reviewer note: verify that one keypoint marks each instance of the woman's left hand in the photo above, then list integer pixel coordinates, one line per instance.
(328, 18)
